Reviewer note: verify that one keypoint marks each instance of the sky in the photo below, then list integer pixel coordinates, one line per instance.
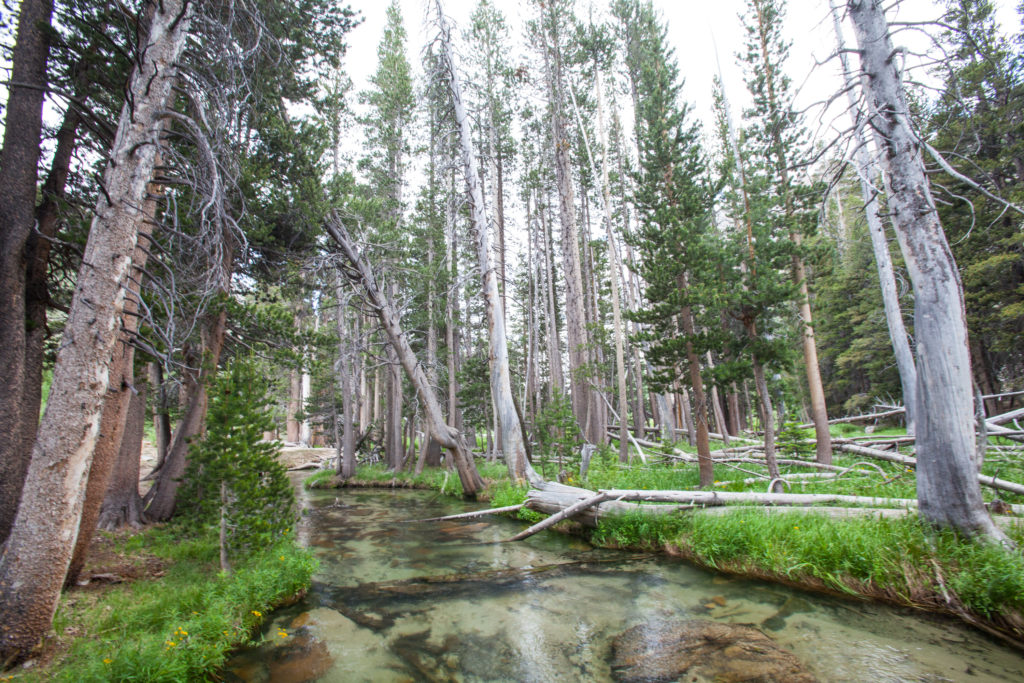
(698, 30)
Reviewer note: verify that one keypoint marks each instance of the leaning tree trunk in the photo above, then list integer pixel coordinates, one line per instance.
(119, 393)
(162, 498)
(947, 483)
(512, 437)
(123, 504)
(38, 551)
(359, 273)
(18, 176)
(883, 259)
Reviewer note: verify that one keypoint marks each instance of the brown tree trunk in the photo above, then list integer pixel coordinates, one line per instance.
(947, 484)
(119, 393)
(18, 176)
(704, 463)
(575, 315)
(123, 504)
(294, 405)
(38, 551)
(161, 499)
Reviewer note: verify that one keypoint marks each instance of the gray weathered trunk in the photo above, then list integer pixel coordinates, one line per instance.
(867, 174)
(947, 484)
(38, 550)
(512, 438)
(360, 274)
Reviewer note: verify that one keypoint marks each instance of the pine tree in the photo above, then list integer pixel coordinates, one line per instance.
(234, 479)
(774, 137)
(674, 238)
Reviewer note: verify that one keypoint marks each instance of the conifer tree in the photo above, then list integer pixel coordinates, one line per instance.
(774, 137)
(391, 99)
(674, 237)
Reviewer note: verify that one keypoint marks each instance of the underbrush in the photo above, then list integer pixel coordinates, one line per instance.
(432, 478)
(179, 626)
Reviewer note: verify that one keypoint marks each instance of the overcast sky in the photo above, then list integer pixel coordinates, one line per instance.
(695, 27)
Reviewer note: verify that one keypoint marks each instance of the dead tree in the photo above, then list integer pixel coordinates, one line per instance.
(359, 273)
(947, 484)
(866, 173)
(512, 438)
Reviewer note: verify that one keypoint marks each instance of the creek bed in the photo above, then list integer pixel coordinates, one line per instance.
(444, 601)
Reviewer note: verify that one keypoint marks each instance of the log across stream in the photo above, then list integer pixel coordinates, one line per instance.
(448, 601)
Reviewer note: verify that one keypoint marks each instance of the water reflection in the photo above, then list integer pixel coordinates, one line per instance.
(444, 601)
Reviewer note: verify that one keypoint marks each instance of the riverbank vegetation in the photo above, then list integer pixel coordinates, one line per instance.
(524, 266)
(158, 608)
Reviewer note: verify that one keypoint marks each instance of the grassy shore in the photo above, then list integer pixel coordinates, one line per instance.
(170, 614)
(896, 560)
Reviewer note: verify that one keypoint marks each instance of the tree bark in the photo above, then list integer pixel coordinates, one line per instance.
(513, 440)
(38, 551)
(866, 173)
(947, 485)
(819, 413)
(359, 273)
(119, 393)
(161, 499)
(575, 316)
(18, 176)
(123, 504)
(347, 462)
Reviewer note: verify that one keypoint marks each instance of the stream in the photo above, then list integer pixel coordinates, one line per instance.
(445, 601)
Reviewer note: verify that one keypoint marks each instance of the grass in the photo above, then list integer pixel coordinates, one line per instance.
(181, 626)
(899, 560)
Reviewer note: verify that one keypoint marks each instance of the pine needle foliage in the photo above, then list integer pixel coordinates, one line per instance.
(233, 473)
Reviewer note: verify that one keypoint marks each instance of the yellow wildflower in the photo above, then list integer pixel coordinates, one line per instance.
(257, 613)
(107, 660)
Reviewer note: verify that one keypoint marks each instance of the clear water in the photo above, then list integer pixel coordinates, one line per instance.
(446, 601)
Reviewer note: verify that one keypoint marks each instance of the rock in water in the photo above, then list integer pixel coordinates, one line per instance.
(703, 650)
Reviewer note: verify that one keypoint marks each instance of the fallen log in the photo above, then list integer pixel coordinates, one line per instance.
(468, 515)
(875, 453)
(588, 509)
(859, 418)
(559, 516)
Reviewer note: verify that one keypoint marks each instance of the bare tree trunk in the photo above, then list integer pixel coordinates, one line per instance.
(347, 462)
(294, 406)
(393, 400)
(123, 504)
(19, 160)
(512, 438)
(553, 346)
(359, 273)
(716, 403)
(575, 316)
(161, 418)
(947, 484)
(161, 499)
(38, 551)
(613, 260)
(119, 393)
(886, 276)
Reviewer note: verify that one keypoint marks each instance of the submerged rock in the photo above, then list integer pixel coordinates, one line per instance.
(704, 651)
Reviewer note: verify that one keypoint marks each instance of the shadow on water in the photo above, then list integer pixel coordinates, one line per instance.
(446, 601)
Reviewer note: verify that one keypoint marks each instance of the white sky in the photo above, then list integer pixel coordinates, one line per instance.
(694, 27)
